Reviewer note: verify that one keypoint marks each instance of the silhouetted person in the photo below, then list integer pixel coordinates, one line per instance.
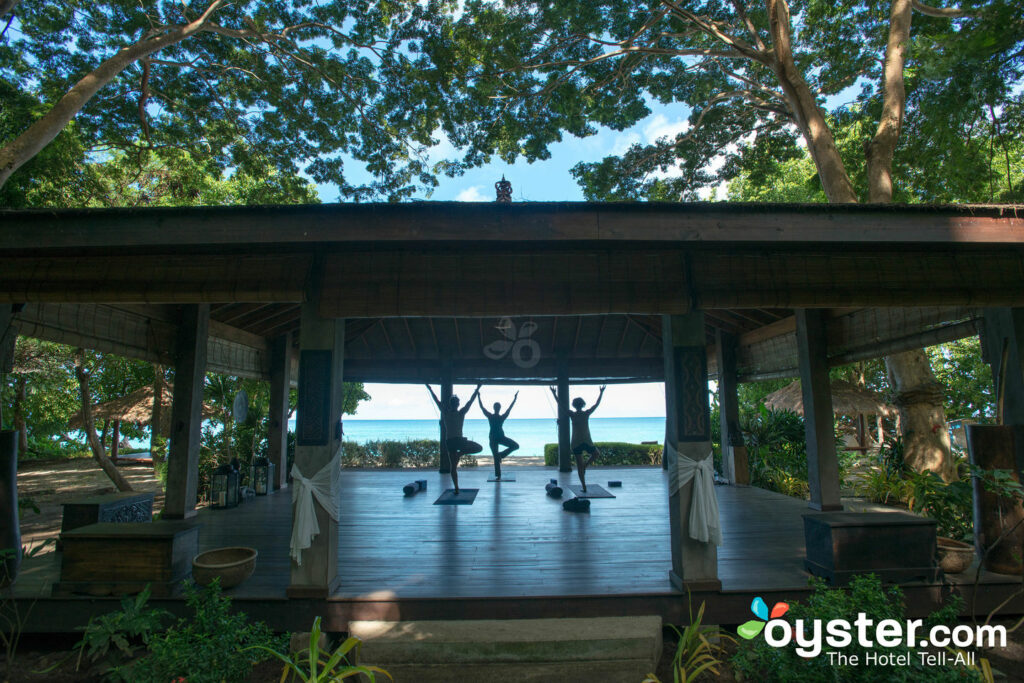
(581, 441)
(497, 435)
(457, 444)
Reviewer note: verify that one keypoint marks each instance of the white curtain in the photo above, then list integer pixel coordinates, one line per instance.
(322, 488)
(705, 523)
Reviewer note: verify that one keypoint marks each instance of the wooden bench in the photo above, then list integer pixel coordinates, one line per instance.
(112, 558)
(895, 546)
(112, 507)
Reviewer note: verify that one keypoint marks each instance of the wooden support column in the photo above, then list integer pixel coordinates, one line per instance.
(688, 432)
(1003, 349)
(317, 440)
(280, 384)
(186, 412)
(445, 465)
(734, 452)
(564, 451)
(819, 421)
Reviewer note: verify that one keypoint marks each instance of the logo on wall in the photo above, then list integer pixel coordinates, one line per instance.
(517, 344)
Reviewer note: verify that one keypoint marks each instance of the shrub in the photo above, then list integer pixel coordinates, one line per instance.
(614, 453)
(205, 648)
(412, 453)
(756, 660)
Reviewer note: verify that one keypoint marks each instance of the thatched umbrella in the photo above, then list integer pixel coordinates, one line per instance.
(847, 399)
(137, 408)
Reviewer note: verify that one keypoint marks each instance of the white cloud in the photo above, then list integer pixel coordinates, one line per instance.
(471, 194)
(660, 127)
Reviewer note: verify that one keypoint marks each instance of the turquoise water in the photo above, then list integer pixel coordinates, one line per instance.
(531, 434)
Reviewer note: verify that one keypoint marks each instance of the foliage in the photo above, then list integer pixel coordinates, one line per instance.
(614, 453)
(114, 638)
(879, 486)
(535, 71)
(412, 453)
(13, 616)
(698, 650)
(950, 504)
(777, 451)
(206, 647)
(756, 660)
(317, 666)
(967, 378)
(264, 88)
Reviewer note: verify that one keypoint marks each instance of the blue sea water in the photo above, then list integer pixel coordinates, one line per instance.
(531, 434)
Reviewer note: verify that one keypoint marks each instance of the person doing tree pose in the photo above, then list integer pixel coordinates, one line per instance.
(497, 436)
(581, 442)
(457, 444)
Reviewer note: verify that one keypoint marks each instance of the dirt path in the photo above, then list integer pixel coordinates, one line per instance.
(49, 483)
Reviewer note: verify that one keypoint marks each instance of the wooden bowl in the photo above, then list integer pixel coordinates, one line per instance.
(954, 556)
(231, 565)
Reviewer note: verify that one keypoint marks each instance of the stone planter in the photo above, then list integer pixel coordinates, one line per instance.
(10, 531)
(231, 565)
(954, 556)
(992, 447)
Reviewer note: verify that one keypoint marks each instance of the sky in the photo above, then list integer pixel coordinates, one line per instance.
(412, 402)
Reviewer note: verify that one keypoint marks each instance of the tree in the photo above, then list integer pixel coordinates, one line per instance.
(236, 84)
(750, 76)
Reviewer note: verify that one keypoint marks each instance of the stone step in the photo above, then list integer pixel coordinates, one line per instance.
(611, 649)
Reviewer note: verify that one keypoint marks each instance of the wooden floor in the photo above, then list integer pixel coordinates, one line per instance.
(514, 552)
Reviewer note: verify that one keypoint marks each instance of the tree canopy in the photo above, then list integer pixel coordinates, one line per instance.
(757, 82)
(248, 86)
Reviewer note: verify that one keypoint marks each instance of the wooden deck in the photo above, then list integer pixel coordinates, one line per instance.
(513, 553)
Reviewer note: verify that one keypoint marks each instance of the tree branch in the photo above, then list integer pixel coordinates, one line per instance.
(941, 12)
(809, 118)
(44, 130)
(880, 149)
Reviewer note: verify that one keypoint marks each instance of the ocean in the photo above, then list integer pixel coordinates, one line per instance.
(531, 434)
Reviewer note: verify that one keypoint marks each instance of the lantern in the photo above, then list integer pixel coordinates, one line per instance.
(224, 487)
(263, 475)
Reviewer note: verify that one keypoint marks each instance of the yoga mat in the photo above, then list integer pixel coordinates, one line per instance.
(593, 491)
(504, 477)
(465, 497)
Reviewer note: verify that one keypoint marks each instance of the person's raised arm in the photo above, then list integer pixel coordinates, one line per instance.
(434, 396)
(600, 395)
(514, 399)
(480, 401)
(469, 403)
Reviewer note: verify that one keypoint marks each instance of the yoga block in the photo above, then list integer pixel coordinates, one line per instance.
(614, 484)
(895, 546)
(118, 559)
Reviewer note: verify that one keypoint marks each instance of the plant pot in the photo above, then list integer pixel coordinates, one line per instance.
(10, 531)
(954, 556)
(231, 565)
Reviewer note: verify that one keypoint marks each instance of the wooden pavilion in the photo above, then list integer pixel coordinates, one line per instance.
(421, 292)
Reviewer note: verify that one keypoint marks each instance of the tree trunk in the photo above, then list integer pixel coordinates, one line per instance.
(22, 148)
(919, 398)
(156, 438)
(809, 117)
(20, 391)
(923, 421)
(90, 432)
(115, 441)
